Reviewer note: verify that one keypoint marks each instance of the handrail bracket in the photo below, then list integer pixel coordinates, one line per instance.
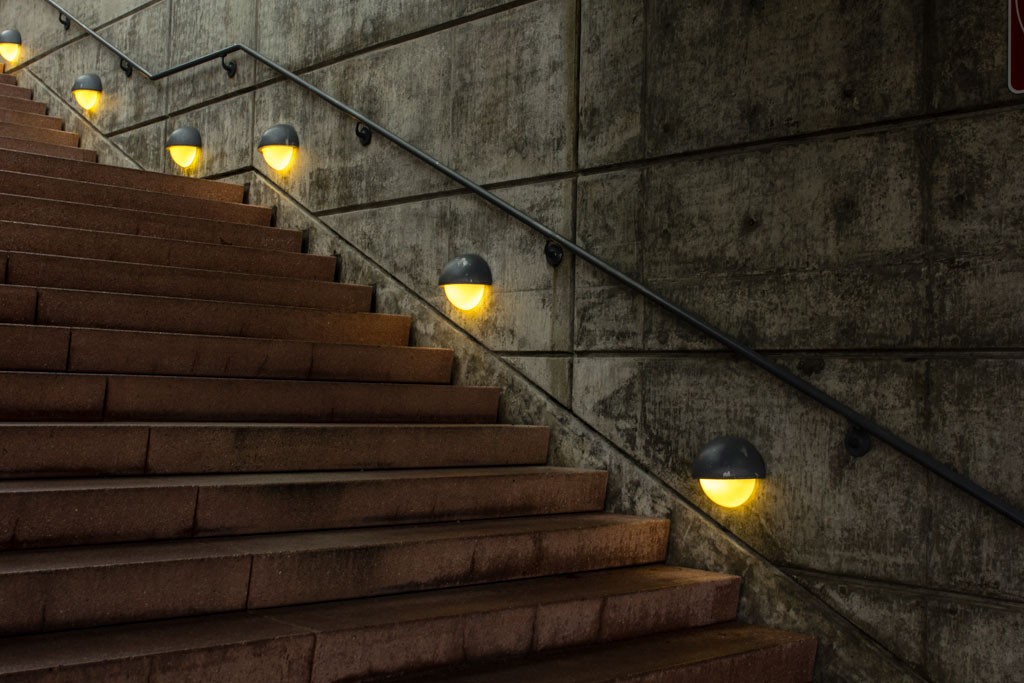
(231, 67)
(64, 19)
(364, 133)
(857, 442)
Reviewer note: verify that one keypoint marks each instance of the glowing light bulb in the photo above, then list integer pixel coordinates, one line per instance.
(87, 99)
(278, 157)
(10, 51)
(87, 90)
(465, 297)
(183, 155)
(729, 493)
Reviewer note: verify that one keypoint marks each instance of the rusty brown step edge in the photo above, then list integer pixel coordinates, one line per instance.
(39, 165)
(21, 104)
(47, 136)
(110, 246)
(125, 197)
(33, 396)
(23, 118)
(390, 634)
(131, 222)
(68, 272)
(56, 152)
(725, 653)
(40, 348)
(48, 512)
(46, 590)
(101, 449)
(73, 308)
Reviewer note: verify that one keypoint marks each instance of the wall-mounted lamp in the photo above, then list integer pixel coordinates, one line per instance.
(728, 469)
(87, 90)
(278, 145)
(183, 145)
(10, 44)
(465, 279)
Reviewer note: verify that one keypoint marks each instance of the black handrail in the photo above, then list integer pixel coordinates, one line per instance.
(857, 441)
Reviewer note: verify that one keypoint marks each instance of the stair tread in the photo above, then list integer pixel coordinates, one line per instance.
(46, 513)
(64, 588)
(124, 196)
(31, 119)
(50, 137)
(147, 223)
(97, 350)
(143, 553)
(405, 611)
(26, 162)
(161, 448)
(712, 654)
(143, 312)
(85, 274)
(49, 151)
(120, 247)
(35, 395)
(22, 104)
(15, 91)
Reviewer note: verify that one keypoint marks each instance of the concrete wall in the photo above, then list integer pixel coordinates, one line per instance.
(844, 198)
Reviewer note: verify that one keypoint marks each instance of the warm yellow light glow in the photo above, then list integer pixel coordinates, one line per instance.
(278, 157)
(729, 493)
(464, 297)
(183, 155)
(87, 99)
(10, 51)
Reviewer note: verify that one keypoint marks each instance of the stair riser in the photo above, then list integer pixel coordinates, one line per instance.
(46, 136)
(129, 222)
(56, 152)
(107, 246)
(28, 305)
(518, 632)
(7, 79)
(406, 634)
(15, 91)
(395, 561)
(60, 349)
(59, 189)
(28, 396)
(21, 104)
(42, 450)
(60, 272)
(22, 118)
(54, 518)
(126, 177)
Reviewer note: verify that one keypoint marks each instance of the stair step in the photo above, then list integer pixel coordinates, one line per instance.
(66, 272)
(46, 590)
(375, 636)
(15, 91)
(63, 349)
(91, 449)
(48, 512)
(724, 653)
(42, 149)
(78, 191)
(146, 223)
(21, 104)
(74, 308)
(109, 246)
(44, 135)
(7, 79)
(115, 175)
(23, 118)
(58, 396)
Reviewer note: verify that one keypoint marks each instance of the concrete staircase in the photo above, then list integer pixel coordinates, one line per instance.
(216, 464)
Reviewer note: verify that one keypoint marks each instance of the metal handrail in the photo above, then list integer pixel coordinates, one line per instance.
(862, 428)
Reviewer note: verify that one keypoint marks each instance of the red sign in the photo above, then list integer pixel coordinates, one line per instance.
(1016, 47)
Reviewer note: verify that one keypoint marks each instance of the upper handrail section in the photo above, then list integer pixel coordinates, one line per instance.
(862, 428)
